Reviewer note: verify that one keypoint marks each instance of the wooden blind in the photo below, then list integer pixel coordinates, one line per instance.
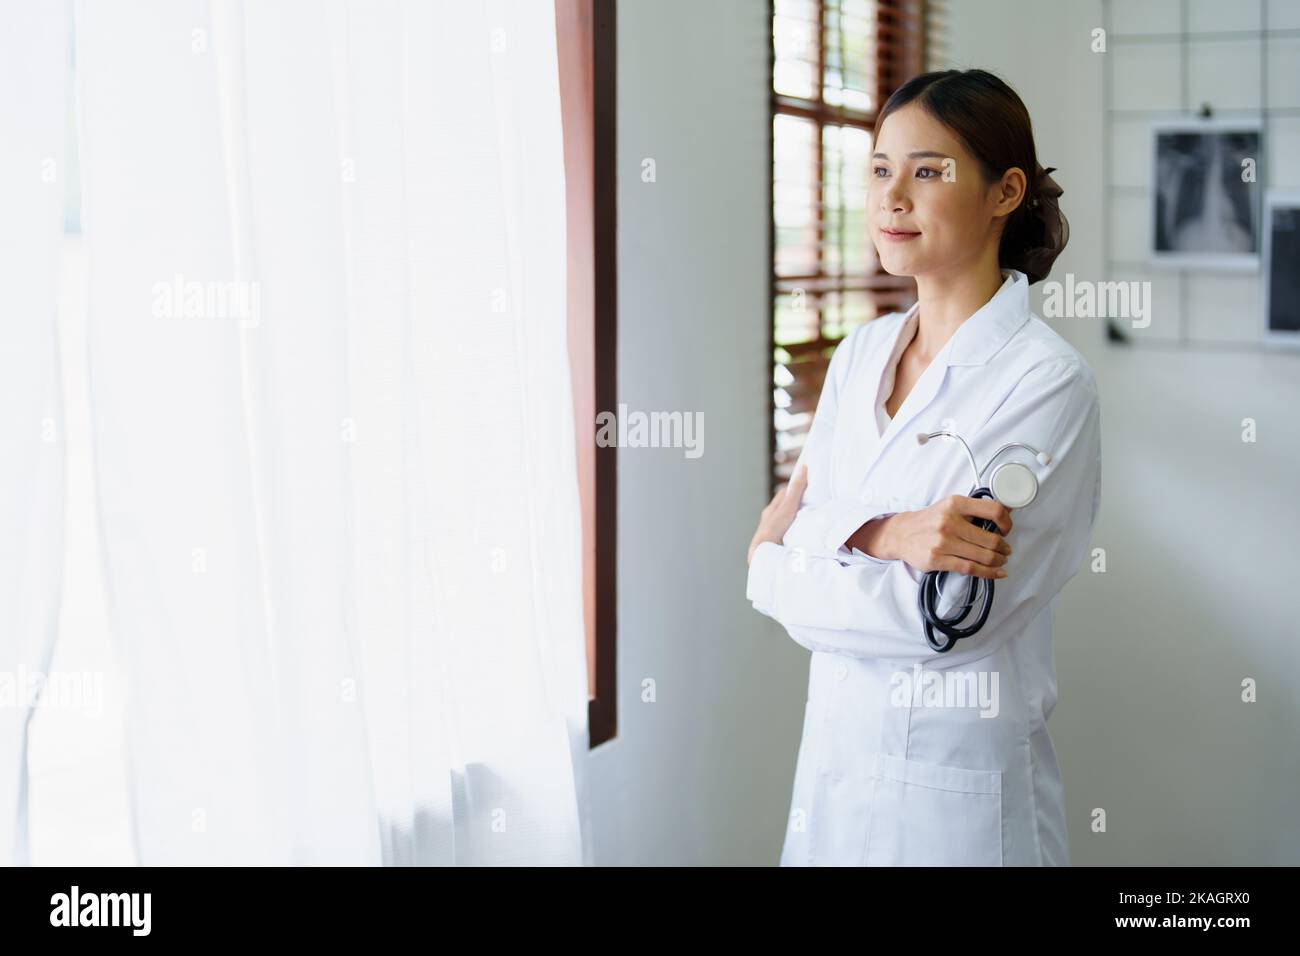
(834, 64)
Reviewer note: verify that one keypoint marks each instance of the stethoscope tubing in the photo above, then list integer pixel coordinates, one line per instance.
(930, 593)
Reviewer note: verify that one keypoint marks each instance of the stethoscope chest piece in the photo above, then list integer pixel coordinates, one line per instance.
(1013, 484)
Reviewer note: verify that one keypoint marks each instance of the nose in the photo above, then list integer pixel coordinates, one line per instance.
(893, 198)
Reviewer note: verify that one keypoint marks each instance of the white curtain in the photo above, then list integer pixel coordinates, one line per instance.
(33, 76)
(333, 428)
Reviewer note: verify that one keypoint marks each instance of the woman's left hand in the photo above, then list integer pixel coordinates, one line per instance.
(779, 514)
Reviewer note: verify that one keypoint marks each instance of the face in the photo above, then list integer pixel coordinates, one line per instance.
(931, 209)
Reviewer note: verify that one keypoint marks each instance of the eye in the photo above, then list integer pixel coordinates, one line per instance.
(929, 172)
(877, 170)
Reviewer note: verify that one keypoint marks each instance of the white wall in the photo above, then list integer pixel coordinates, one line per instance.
(703, 775)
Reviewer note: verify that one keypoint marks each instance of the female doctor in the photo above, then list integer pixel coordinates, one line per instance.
(910, 756)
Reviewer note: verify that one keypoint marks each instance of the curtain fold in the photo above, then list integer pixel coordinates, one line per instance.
(34, 68)
(333, 428)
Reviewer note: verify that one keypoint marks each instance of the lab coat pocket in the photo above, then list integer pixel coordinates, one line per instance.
(926, 814)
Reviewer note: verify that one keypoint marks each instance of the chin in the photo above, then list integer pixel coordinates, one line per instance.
(898, 265)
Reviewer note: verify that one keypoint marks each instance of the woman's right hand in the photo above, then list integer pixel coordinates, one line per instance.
(942, 537)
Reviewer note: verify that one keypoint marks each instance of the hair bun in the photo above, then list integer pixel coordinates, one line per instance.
(1038, 238)
(1045, 185)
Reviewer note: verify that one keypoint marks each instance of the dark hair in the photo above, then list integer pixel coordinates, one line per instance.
(992, 122)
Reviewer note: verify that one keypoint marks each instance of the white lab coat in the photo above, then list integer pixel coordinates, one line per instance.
(892, 768)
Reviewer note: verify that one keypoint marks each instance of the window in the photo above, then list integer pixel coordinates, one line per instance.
(834, 64)
(585, 40)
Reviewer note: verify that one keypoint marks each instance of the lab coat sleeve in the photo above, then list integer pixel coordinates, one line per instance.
(869, 608)
(823, 529)
(825, 522)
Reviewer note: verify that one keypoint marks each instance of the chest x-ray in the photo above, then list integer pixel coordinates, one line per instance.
(1205, 200)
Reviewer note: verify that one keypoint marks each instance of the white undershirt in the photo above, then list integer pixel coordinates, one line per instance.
(905, 337)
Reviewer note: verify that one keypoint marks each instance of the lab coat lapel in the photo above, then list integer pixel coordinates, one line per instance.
(921, 397)
(859, 441)
(974, 343)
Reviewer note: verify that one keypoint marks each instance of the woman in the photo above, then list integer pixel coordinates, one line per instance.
(910, 756)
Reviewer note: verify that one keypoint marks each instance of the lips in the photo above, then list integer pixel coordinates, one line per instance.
(899, 235)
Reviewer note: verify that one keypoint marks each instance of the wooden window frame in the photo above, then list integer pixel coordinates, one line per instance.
(899, 51)
(586, 47)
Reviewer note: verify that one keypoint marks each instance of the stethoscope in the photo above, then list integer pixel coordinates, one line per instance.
(1014, 486)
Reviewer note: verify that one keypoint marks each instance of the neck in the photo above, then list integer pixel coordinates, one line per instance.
(948, 300)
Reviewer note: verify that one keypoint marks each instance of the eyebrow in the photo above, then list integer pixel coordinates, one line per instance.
(922, 154)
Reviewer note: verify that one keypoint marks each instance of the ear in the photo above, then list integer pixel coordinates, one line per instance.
(1009, 192)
